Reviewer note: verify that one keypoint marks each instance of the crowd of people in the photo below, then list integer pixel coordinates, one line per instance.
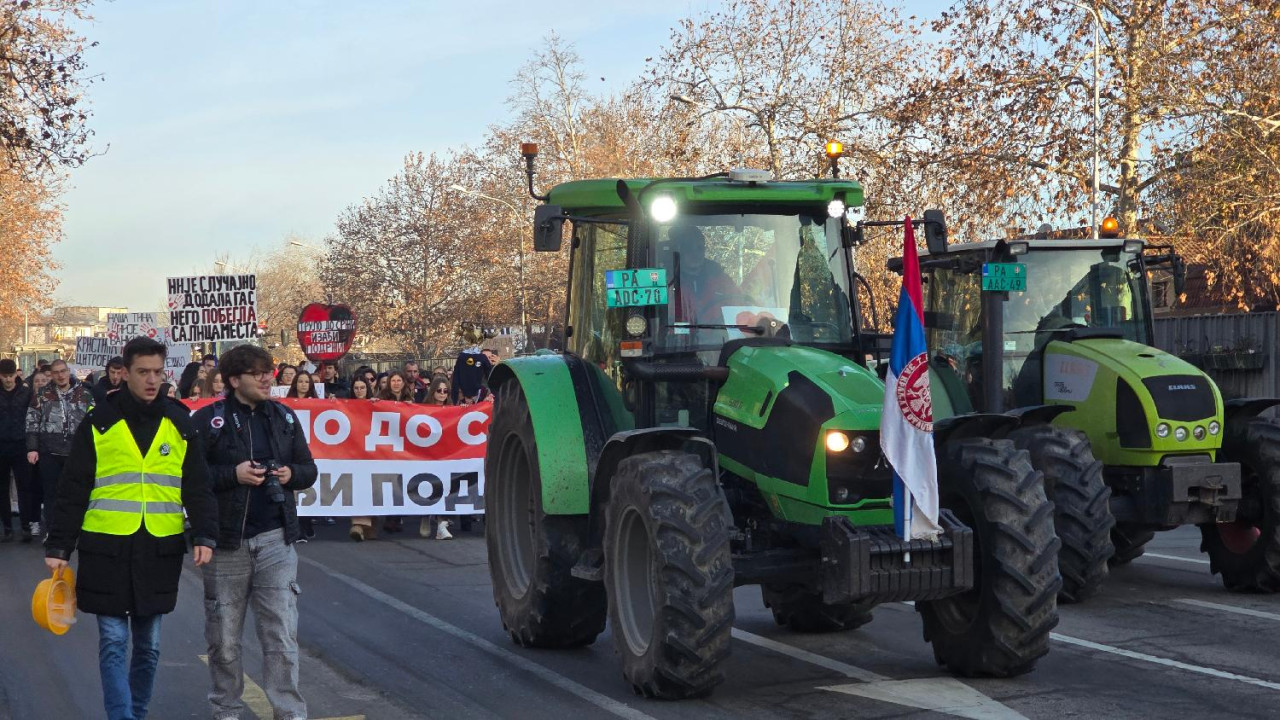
(102, 468)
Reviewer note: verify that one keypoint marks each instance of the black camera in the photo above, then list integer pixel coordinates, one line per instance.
(272, 486)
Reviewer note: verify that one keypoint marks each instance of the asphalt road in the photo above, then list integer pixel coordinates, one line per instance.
(406, 628)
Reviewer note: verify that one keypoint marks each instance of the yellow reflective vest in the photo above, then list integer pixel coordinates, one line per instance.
(130, 490)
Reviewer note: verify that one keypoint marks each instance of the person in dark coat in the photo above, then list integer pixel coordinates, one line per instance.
(258, 460)
(136, 467)
(15, 398)
(112, 379)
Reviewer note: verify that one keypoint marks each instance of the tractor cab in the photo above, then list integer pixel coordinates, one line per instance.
(667, 275)
(1045, 290)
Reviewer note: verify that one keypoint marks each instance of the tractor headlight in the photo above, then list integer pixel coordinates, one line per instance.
(1180, 434)
(663, 209)
(1162, 430)
(837, 441)
(859, 444)
(1199, 432)
(636, 325)
(1214, 427)
(835, 208)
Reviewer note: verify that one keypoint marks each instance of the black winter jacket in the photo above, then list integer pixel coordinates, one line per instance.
(129, 574)
(13, 417)
(225, 431)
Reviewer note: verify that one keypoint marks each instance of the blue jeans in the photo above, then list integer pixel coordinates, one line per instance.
(126, 680)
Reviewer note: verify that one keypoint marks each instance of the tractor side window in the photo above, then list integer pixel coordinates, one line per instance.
(954, 331)
(596, 332)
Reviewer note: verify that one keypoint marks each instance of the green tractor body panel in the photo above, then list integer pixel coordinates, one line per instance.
(598, 197)
(772, 417)
(557, 429)
(1122, 391)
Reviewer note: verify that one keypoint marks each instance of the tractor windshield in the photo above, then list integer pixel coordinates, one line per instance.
(1072, 288)
(732, 274)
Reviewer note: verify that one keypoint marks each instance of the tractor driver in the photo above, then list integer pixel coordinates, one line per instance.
(700, 286)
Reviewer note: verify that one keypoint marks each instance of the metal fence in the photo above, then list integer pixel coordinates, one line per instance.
(1240, 352)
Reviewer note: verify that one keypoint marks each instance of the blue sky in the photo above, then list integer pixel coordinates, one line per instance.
(227, 125)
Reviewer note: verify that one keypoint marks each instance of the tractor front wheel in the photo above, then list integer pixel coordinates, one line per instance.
(1001, 627)
(669, 574)
(532, 553)
(802, 610)
(1247, 552)
(1082, 502)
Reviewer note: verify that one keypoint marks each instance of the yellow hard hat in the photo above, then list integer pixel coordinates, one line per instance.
(53, 606)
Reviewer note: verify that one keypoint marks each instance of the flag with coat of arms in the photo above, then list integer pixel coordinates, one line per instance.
(906, 427)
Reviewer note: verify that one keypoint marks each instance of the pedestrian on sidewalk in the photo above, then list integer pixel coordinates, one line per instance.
(56, 412)
(15, 398)
(258, 458)
(134, 468)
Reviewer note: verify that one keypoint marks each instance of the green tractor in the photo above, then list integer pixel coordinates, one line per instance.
(1144, 441)
(711, 422)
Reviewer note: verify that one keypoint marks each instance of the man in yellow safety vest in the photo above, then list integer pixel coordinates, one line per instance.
(136, 464)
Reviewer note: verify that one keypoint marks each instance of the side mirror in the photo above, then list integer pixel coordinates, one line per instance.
(935, 232)
(548, 228)
(1179, 275)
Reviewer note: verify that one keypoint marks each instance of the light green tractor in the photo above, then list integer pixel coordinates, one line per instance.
(1145, 441)
(711, 422)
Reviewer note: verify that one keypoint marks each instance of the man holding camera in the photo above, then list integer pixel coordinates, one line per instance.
(258, 458)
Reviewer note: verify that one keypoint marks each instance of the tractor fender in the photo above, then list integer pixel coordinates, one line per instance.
(971, 425)
(1241, 409)
(567, 425)
(1039, 414)
(633, 442)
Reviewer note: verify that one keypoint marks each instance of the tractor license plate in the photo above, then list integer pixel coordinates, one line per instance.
(635, 297)
(635, 278)
(1004, 277)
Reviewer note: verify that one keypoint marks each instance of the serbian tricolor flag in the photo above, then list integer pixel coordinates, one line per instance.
(906, 428)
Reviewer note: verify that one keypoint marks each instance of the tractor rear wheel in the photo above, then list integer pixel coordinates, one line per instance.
(1082, 502)
(1247, 552)
(532, 553)
(669, 574)
(802, 610)
(1130, 542)
(1001, 627)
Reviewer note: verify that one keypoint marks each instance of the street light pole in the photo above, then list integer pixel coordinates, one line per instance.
(524, 324)
(1097, 106)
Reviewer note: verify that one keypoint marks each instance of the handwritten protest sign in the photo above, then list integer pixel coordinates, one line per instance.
(207, 308)
(95, 352)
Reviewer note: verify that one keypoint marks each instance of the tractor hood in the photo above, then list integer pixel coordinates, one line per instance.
(1125, 392)
(772, 421)
(766, 378)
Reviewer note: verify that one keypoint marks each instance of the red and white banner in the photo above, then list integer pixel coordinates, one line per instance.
(392, 458)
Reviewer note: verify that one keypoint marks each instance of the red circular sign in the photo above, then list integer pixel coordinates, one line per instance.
(325, 332)
(913, 393)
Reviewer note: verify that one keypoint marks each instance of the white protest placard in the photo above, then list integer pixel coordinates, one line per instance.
(175, 362)
(206, 308)
(123, 327)
(95, 352)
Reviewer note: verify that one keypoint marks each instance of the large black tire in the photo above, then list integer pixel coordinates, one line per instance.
(532, 553)
(669, 574)
(1130, 542)
(802, 610)
(1247, 552)
(1001, 627)
(1082, 505)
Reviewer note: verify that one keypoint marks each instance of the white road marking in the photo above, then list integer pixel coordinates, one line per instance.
(1197, 561)
(822, 661)
(1166, 662)
(1229, 608)
(939, 694)
(603, 702)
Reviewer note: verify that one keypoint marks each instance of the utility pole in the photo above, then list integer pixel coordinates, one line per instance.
(1097, 106)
